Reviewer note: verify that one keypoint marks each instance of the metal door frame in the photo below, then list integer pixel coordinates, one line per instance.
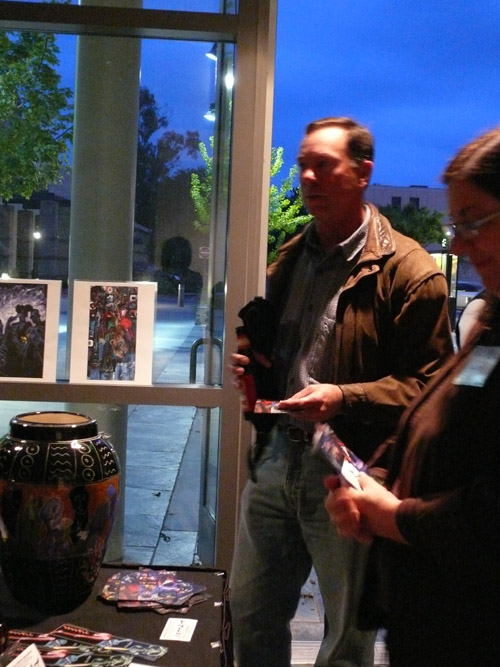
(253, 30)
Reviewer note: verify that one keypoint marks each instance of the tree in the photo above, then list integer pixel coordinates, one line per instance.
(419, 223)
(286, 212)
(201, 190)
(157, 159)
(36, 115)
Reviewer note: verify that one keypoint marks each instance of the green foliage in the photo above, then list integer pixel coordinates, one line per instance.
(419, 223)
(286, 213)
(35, 114)
(201, 190)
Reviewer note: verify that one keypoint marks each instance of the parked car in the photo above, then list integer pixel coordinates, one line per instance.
(466, 291)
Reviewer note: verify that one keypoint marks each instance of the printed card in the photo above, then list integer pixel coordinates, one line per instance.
(112, 328)
(343, 461)
(29, 329)
(104, 640)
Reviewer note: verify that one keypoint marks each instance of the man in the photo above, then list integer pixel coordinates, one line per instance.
(363, 325)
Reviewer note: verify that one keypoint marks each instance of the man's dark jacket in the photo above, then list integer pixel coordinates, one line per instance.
(392, 330)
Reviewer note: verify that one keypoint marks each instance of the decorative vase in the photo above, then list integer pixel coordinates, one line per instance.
(59, 489)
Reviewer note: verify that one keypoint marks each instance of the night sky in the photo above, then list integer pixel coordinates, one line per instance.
(423, 75)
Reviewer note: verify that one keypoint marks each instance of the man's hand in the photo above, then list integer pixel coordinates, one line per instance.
(317, 402)
(362, 514)
(239, 361)
(237, 367)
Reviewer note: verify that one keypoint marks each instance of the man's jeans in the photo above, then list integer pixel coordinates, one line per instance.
(284, 529)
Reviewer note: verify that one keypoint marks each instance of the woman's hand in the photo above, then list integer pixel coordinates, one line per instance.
(362, 514)
(317, 402)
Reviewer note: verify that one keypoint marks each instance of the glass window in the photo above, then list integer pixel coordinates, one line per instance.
(179, 219)
(162, 472)
(116, 232)
(179, 148)
(211, 6)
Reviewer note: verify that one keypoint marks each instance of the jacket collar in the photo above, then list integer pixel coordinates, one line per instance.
(380, 238)
(379, 241)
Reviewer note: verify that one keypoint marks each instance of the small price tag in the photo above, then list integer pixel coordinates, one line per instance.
(179, 629)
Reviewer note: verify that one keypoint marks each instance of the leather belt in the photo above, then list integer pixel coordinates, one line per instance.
(296, 434)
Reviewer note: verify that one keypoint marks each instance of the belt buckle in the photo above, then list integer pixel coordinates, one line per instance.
(297, 434)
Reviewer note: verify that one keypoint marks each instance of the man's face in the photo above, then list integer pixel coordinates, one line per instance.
(332, 184)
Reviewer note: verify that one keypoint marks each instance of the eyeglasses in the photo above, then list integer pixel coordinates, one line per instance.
(468, 230)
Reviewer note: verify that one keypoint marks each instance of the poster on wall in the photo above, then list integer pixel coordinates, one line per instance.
(29, 328)
(112, 332)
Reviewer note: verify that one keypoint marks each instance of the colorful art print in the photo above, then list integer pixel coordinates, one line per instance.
(331, 449)
(105, 640)
(157, 586)
(148, 588)
(167, 588)
(112, 328)
(29, 324)
(111, 588)
(56, 650)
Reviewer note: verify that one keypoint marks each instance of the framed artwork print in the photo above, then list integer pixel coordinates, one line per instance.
(29, 329)
(112, 332)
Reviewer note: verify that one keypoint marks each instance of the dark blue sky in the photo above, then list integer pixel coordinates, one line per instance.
(422, 75)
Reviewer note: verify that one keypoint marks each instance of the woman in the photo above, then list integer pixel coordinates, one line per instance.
(435, 576)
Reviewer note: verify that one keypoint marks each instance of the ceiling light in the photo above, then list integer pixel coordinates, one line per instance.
(210, 115)
(212, 54)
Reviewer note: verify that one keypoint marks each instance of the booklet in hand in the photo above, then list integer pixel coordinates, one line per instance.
(331, 449)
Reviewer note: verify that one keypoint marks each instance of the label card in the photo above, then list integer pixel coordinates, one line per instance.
(179, 629)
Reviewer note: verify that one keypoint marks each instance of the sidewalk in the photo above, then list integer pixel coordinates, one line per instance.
(164, 462)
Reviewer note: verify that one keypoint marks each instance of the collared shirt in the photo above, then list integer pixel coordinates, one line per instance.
(306, 331)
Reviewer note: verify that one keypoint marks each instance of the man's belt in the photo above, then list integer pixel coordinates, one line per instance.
(295, 433)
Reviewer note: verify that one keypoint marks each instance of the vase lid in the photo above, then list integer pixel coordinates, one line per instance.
(52, 425)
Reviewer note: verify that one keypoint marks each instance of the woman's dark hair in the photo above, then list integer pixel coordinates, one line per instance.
(479, 163)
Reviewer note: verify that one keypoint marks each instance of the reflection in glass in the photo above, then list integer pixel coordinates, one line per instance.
(175, 240)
